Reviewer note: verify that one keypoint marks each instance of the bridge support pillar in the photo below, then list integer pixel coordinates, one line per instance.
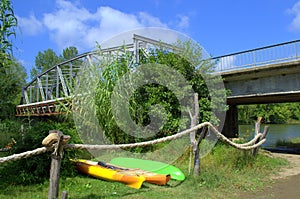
(231, 127)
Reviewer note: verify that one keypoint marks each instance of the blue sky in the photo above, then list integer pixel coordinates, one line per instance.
(220, 27)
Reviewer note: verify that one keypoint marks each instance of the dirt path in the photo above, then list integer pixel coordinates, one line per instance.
(286, 182)
(292, 170)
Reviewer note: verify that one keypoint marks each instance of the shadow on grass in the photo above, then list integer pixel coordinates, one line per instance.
(114, 194)
(135, 193)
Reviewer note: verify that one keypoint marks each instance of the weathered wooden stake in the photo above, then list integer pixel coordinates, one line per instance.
(255, 150)
(194, 119)
(55, 166)
(64, 195)
(257, 130)
(196, 143)
(197, 161)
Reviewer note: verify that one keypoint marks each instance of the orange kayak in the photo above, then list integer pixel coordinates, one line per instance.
(131, 177)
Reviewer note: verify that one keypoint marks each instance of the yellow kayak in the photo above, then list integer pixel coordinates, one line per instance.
(153, 178)
(93, 169)
(132, 177)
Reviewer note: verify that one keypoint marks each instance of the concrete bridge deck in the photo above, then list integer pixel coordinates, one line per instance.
(272, 83)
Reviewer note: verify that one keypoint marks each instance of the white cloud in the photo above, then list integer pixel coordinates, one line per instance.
(184, 22)
(148, 20)
(68, 25)
(111, 22)
(295, 10)
(71, 24)
(31, 25)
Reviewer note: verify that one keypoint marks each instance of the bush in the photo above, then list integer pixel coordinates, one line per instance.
(36, 169)
(9, 130)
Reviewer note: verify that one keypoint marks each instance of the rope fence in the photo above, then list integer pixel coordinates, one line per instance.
(252, 144)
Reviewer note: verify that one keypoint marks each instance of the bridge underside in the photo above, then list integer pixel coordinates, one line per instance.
(273, 83)
(265, 98)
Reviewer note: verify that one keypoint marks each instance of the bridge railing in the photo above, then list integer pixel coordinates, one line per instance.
(279, 53)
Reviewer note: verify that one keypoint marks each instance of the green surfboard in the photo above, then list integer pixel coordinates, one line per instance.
(149, 165)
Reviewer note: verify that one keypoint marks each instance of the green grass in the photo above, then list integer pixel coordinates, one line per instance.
(225, 173)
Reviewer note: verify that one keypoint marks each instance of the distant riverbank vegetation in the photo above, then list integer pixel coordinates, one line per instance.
(283, 113)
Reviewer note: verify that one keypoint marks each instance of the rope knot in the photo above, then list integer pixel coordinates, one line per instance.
(57, 139)
(54, 137)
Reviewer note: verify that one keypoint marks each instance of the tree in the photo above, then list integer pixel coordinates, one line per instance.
(48, 59)
(69, 53)
(43, 61)
(8, 22)
(12, 73)
(149, 101)
(271, 113)
(12, 78)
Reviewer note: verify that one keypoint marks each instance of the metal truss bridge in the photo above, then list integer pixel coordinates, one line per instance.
(50, 90)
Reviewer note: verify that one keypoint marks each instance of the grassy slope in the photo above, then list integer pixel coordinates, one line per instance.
(225, 172)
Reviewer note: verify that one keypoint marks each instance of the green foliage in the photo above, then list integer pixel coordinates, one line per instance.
(192, 70)
(227, 167)
(12, 73)
(271, 113)
(8, 22)
(9, 129)
(12, 78)
(36, 169)
(108, 79)
(43, 61)
(69, 53)
(151, 99)
(48, 58)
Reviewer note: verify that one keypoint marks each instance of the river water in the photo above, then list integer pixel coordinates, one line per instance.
(276, 132)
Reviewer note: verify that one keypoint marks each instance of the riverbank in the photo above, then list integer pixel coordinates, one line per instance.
(284, 150)
(277, 132)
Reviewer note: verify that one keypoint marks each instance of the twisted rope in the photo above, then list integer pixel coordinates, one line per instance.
(25, 154)
(220, 136)
(257, 136)
(152, 142)
(246, 146)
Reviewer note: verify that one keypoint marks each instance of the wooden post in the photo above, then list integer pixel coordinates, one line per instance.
(55, 165)
(196, 143)
(194, 115)
(255, 150)
(64, 195)
(194, 119)
(257, 130)
(197, 162)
